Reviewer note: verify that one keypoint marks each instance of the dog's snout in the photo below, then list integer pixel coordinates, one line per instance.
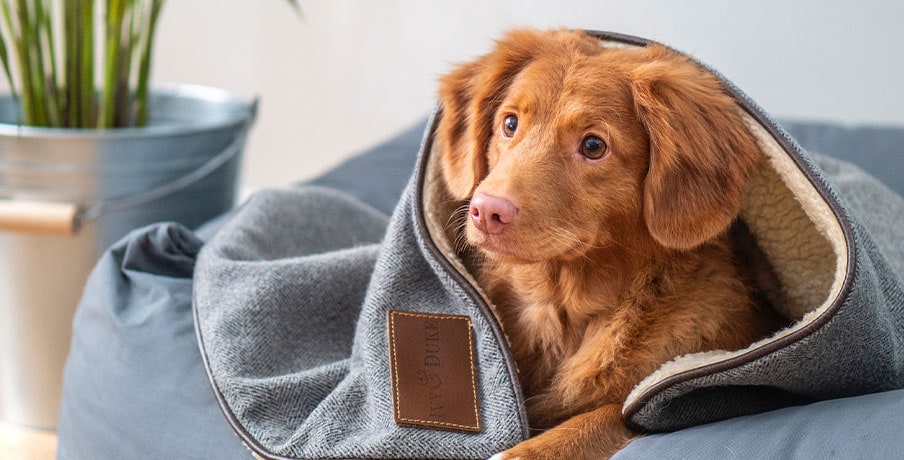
(491, 214)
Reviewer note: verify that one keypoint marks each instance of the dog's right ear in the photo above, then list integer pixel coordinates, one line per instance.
(470, 96)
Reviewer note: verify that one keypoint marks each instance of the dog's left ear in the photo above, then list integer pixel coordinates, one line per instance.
(702, 154)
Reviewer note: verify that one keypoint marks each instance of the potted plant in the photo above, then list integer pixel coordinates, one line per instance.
(89, 151)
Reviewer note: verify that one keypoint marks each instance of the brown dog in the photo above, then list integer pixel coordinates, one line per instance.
(602, 183)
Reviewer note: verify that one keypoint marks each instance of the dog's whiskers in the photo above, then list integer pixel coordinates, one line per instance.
(456, 226)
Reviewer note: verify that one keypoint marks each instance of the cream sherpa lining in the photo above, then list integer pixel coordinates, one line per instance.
(803, 240)
(439, 214)
(792, 224)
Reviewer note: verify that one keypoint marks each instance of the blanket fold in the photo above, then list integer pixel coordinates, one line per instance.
(292, 300)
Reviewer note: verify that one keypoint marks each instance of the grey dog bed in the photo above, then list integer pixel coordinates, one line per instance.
(291, 299)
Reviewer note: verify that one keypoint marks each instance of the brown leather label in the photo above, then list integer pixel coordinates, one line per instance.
(434, 383)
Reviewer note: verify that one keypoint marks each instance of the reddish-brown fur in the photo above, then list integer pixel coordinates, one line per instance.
(613, 266)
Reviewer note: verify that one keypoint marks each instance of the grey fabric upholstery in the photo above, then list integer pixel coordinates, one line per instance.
(135, 385)
(864, 427)
(879, 150)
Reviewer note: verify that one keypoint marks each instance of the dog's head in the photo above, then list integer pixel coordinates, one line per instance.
(562, 145)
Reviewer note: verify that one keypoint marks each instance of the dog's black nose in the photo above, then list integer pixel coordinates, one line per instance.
(491, 214)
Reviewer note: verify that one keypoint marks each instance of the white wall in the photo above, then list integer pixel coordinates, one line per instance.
(351, 73)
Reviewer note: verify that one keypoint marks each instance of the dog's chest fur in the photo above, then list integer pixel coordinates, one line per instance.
(580, 330)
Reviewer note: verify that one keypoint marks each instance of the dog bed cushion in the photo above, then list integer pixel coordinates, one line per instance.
(294, 303)
(138, 389)
(134, 385)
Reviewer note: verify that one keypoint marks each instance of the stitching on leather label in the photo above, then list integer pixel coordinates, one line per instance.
(433, 373)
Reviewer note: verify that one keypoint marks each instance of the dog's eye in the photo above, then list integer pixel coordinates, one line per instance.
(509, 125)
(593, 147)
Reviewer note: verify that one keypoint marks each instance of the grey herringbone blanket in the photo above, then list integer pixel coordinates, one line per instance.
(292, 298)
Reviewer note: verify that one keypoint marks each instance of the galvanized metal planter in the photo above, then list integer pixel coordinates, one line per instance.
(67, 194)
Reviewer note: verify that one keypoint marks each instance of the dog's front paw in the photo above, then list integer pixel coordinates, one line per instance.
(502, 456)
(527, 451)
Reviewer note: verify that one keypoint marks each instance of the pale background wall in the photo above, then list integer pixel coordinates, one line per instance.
(351, 73)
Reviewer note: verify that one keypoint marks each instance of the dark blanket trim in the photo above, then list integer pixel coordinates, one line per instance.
(420, 229)
(795, 152)
(243, 435)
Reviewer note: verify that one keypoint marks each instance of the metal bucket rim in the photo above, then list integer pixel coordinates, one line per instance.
(197, 92)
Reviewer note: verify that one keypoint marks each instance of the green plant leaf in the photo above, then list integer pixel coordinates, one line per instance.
(46, 59)
(86, 71)
(144, 65)
(15, 33)
(4, 57)
(297, 7)
(51, 68)
(115, 13)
